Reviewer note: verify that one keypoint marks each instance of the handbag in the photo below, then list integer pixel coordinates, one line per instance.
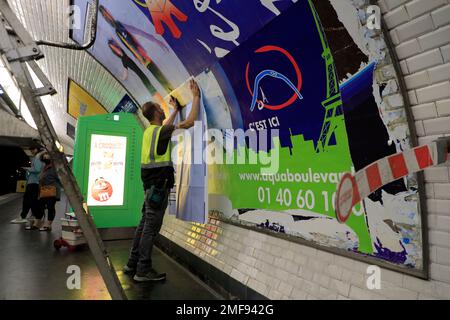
(47, 192)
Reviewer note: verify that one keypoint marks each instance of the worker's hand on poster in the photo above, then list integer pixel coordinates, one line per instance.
(194, 88)
(175, 103)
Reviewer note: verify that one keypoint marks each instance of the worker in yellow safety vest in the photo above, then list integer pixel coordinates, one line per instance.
(157, 174)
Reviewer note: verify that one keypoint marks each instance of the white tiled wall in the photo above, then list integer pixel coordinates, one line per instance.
(279, 269)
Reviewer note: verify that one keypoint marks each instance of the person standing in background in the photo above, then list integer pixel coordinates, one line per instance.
(49, 194)
(30, 197)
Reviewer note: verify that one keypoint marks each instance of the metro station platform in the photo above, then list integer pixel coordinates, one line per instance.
(32, 269)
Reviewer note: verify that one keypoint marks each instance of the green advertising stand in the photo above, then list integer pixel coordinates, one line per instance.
(106, 165)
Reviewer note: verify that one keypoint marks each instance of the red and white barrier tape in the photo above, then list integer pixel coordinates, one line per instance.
(354, 188)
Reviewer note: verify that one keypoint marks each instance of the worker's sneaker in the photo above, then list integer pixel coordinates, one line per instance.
(128, 270)
(152, 275)
(19, 221)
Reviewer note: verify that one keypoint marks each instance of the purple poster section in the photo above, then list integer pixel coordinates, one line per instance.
(202, 31)
(280, 82)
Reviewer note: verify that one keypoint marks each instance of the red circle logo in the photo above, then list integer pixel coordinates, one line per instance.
(297, 72)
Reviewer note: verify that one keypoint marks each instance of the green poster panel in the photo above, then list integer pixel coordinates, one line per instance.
(107, 165)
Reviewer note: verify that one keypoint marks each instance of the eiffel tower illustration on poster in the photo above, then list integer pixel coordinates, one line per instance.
(333, 103)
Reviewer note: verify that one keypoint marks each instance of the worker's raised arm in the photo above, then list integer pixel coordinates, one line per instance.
(193, 115)
(177, 107)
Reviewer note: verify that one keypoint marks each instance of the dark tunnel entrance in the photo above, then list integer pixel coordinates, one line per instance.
(13, 160)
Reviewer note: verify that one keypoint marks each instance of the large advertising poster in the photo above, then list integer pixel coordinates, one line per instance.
(81, 103)
(106, 183)
(307, 81)
(326, 108)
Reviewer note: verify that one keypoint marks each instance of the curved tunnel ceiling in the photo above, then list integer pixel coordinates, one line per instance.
(47, 20)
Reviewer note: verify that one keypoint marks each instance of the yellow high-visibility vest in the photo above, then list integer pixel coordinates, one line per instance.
(150, 158)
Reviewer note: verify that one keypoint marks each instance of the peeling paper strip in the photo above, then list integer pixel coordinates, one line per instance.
(363, 183)
(398, 166)
(411, 161)
(385, 171)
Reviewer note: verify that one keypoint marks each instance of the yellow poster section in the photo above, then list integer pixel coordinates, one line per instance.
(81, 103)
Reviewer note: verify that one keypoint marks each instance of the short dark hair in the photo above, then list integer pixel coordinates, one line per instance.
(45, 154)
(148, 110)
(35, 147)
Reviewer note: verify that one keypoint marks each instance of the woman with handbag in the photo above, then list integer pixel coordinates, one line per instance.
(49, 194)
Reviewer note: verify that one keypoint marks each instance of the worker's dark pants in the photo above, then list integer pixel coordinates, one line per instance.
(145, 235)
(30, 200)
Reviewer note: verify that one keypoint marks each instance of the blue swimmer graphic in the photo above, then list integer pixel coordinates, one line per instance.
(273, 74)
